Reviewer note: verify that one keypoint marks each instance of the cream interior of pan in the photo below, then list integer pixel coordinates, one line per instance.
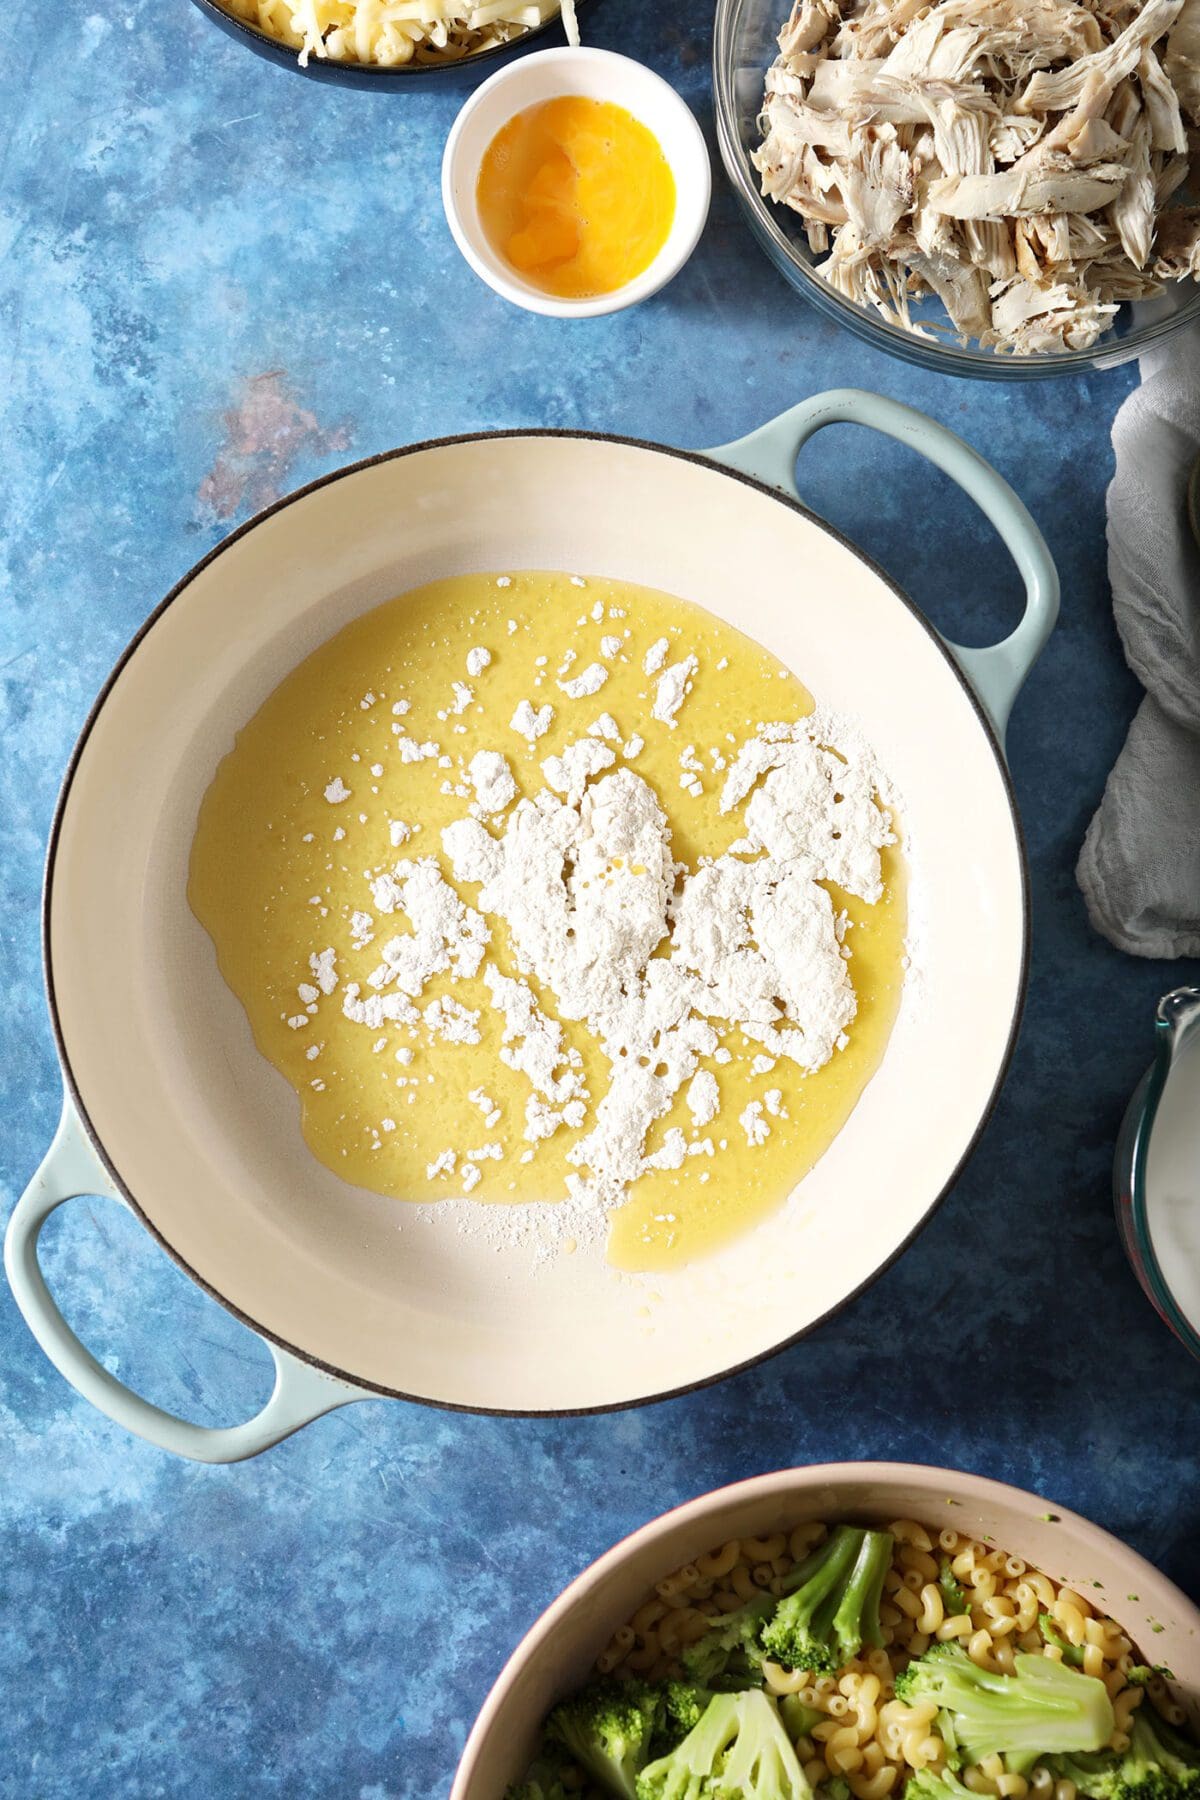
(204, 1134)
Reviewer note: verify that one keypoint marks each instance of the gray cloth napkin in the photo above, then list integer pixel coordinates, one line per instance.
(1139, 868)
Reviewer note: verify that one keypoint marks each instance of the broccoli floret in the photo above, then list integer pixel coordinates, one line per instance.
(607, 1728)
(953, 1598)
(1159, 1764)
(539, 1784)
(761, 1763)
(546, 1780)
(799, 1717)
(1142, 1673)
(730, 1655)
(833, 1610)
(936, 1784)
(1071, 1653)
(1041, 1708)
(836, 1788)
(681, 1709)
(738, 1751)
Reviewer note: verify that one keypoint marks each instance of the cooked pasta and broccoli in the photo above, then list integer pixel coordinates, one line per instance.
(846, 1663)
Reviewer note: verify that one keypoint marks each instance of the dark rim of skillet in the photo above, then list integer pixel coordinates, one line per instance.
(367, 75)
(498, 437)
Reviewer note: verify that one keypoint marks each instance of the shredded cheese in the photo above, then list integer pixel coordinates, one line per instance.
(392, 32)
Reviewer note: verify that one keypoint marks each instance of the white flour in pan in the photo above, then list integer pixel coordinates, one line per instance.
(656, 960)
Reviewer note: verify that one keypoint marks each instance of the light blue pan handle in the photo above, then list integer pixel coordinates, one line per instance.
(997, 672)
(301, 1393)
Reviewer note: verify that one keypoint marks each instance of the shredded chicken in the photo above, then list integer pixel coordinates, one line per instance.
(1056, 91)
(1182, 61)
(1013, 159)
(1178, 247)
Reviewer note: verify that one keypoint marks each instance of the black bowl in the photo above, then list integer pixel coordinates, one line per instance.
(364, 75)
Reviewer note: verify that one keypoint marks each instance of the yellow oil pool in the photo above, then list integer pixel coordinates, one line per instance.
(577, 195)
(277, 871)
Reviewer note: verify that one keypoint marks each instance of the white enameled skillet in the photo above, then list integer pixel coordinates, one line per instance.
(169, 1107)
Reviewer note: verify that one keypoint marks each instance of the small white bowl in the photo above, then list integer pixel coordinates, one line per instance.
(597, 75)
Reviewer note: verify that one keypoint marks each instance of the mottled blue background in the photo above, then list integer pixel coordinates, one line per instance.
(217, 282)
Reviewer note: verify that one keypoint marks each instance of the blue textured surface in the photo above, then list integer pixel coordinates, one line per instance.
(217, 282)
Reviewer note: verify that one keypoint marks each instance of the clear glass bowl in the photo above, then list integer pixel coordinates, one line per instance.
(1155, 1195)
(743, 48)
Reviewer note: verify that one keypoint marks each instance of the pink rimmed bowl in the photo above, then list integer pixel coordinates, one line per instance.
(558, 1652)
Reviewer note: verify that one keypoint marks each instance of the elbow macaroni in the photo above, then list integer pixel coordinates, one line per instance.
(867, 1737)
